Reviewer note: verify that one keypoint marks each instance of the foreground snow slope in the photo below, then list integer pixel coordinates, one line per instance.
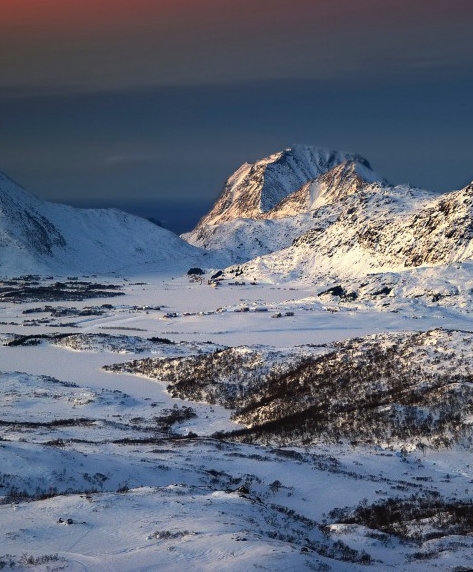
(38, 236)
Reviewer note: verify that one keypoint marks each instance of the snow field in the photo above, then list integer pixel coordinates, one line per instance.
(143, 498)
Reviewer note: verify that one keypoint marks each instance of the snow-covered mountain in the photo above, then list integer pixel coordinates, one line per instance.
(38, 236)
(300, 213)
(291, 185)
(342, 180)
(255, 189)
(345, 220)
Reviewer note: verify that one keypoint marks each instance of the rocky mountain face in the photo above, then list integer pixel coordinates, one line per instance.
(379, 229)
(339, 182)
(255, 189)
(23, 226)
(440, 233)
(38, 236)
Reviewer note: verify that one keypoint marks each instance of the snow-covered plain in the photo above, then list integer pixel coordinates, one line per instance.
(104, 471)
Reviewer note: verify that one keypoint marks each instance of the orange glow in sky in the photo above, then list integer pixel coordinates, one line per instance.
(50, 15)
(100, 43)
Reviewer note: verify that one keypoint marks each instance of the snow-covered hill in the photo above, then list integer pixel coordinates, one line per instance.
(37, 236)
(379, 229)
(352, 449)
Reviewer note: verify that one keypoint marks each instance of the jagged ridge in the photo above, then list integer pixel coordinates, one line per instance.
(346, 219)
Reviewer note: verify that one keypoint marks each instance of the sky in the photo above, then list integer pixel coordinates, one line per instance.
(149, 105)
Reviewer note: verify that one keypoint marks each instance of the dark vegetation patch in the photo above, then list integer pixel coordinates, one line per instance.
(71, 422)
(420, 517)
(33, 340)
(224, 376)
(158, 340)
(376, 397)
(384, 291)
(19, 291)
(195, 271)
(387, 389)
(340, 292)
(7, 561)
(170, 417)
(63, 311)
(84, 342)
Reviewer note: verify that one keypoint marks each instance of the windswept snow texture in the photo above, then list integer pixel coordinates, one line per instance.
(40, 237)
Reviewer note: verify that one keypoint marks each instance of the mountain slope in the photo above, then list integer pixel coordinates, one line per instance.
(346, 221)
(378, 230)
(37, 236)
(440, 233)
(339, 182)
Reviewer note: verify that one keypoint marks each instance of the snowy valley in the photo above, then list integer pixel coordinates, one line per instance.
(287, 387)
